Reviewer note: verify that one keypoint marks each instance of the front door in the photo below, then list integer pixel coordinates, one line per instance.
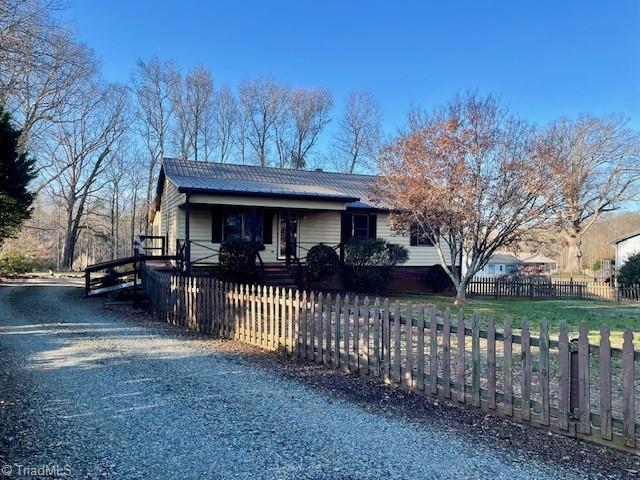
(282, 234)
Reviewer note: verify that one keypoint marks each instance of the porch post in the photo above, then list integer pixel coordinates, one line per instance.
(187, 236)
(254, 226)
(288, 237)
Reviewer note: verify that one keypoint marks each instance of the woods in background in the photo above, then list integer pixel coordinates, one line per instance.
(98, 146)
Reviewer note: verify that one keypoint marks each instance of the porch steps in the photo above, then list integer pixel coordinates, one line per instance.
(278, 275)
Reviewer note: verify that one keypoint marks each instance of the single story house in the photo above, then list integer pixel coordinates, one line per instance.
(500, 265)
(199, 205)
(624, 247)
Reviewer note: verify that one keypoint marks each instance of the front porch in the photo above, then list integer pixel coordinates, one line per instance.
(285, 235)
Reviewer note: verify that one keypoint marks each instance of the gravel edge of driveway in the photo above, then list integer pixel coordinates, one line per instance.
(484, 430)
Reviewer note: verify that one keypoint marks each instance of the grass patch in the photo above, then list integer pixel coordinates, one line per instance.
(617, 316)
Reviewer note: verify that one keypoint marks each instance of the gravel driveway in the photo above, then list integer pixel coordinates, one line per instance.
(93, 392)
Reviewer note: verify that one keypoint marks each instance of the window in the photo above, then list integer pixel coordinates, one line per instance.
(360, 226)
(232, 226)
(239, 224)
(419, 239)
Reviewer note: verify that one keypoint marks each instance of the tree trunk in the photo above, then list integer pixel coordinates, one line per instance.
(574, 252)
(461, 294)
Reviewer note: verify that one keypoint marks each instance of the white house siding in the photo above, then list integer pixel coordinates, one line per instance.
(170, 214)
(419, 256)
(319, 227)
(625, 249)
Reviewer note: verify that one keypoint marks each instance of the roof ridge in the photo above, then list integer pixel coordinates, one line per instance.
(280, 169)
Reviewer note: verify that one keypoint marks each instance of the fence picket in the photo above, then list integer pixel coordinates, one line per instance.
(346, 334)
(460, 364)
(446, 355)
(355, 363)
(376, 337)
(335, 352)
(564, 377)
(386, 341)
(491, 362)
(584, 390)
(433, 350)
(365, 336)
(544, 373)
(318, 321)
(326, 351)
(475, 359)
(420, 324)
(508, 367)
(397, 343)
(605, 383)
(304, 320)
(628, 390)
(408, 335)
(525, 385)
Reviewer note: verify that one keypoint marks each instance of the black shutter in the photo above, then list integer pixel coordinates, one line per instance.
(216, 225)
(267, 228)
(373, 226)
(414, 237)
(346, 227)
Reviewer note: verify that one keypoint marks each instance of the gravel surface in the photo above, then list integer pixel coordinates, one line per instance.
(100, 394)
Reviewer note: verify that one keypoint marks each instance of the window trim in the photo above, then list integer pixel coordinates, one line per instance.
(417, 237)
(244, 215)
(353, 225)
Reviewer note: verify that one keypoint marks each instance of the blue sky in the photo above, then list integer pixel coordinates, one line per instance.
(543, 59)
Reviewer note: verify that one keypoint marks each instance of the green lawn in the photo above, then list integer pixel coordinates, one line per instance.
(617, 316)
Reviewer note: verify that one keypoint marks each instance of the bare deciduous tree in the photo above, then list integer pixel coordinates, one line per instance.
(152, 83)
(193, 106)
(263, 102)
(85, 145)
(225, 121)
(42, 72)
(595, 165)
(466, 181)
(309, 110)
(357, 140)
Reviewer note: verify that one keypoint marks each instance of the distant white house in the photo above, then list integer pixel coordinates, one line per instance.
(499, 265)
(625, 246)
(504, 263)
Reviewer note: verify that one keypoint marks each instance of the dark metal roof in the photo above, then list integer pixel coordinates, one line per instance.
(232, 179)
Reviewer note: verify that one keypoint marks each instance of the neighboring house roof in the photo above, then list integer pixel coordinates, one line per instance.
(232, 179)
(624, 237)
(505, 258)
(534, 258)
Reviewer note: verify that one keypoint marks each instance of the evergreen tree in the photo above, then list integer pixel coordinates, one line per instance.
(16, 171)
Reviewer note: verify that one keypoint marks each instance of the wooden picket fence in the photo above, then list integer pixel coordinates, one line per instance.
(551, 289)
(570, 387)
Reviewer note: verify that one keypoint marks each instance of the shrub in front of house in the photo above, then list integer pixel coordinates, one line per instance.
(629, 273)
(237, 259)
(13, 262)
(322, 262)
(368, 263)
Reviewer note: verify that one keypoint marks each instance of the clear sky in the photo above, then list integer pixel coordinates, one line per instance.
(542, 58)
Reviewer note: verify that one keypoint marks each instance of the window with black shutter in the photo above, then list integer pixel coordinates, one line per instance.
(418, 237)
(360, 228)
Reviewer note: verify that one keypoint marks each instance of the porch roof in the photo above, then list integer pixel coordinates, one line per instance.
(230, 179)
